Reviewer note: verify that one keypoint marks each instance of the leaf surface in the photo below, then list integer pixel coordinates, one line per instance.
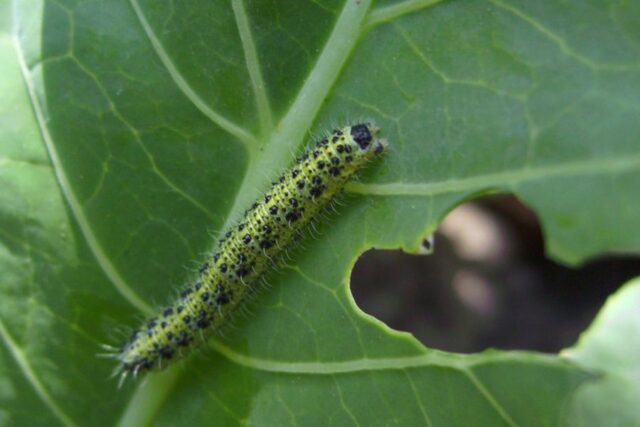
(134, 130)
(611, 347)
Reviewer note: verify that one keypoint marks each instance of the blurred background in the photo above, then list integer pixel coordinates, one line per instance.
(487, 284)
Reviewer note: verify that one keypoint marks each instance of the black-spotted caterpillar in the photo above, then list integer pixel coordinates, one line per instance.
(247, 251)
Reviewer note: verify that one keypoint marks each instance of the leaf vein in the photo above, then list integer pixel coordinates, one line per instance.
(421, 360)
(31, 377)
(507, 178)
(253, 66)
(423, 410)
(182, 84)
(389, 13)
(71, 198)
(562, 44)
(490, 398)
(343, 403)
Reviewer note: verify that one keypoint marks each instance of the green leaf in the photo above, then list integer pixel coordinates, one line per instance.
(611, 346)
(133, 130)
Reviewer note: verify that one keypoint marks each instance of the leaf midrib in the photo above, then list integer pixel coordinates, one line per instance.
(283, 140)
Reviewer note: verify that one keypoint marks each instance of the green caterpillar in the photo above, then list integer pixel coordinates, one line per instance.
(247, 251)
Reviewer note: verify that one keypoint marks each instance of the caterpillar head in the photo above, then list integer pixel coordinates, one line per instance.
(364, 140)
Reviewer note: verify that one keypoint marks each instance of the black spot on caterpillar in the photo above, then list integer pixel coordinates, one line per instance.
(245, 253)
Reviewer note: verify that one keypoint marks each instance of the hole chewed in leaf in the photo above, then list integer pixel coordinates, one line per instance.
(487, 284)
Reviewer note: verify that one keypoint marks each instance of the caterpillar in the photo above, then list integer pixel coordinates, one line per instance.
(248, 250)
